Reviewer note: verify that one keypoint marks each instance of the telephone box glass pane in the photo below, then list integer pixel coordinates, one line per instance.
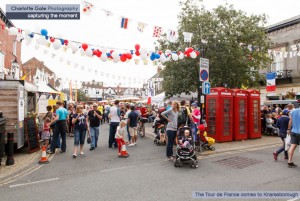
(212, 116)
(226, 117)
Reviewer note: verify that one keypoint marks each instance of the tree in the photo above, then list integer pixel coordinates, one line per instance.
(236, 46)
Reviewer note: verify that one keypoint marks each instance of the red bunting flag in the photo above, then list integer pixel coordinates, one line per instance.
(157, 31)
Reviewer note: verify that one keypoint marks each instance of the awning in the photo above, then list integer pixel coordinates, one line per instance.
(44, 88)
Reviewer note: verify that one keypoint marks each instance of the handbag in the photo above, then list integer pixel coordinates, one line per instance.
(287, 142)
(88, 140)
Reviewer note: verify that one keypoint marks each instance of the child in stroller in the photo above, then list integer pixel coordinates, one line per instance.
(185, 148)
(160, 138)
(206, 142)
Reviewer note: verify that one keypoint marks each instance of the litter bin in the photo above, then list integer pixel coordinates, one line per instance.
(2, 136)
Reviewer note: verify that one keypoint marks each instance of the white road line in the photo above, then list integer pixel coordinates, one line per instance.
(35, 182)
(294, 199)
(113, 169)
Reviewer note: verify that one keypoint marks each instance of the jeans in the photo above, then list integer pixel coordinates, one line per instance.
(129, 137)
(282, 148)
(171, 138)
(112, 131)
(94, 131)
(60, 128)
(79, 136)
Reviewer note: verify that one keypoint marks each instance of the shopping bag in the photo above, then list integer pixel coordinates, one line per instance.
(287, 142)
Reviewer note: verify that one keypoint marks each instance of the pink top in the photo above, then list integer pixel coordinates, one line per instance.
(196, 112)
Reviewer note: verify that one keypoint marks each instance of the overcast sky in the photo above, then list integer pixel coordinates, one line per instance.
(101, 30)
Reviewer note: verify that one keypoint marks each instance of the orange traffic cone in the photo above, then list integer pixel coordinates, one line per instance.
(44, 158)
(124, 153)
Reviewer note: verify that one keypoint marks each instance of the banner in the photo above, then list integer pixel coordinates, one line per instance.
(271, 84)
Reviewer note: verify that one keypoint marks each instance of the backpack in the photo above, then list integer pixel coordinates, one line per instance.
(182, 116)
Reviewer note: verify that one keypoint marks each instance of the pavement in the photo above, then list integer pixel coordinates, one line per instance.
(147, 175)
(26, 163)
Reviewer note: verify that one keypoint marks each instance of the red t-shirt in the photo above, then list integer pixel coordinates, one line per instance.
(196, 112)
(144, 112)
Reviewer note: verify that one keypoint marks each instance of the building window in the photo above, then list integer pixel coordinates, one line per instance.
(97, 91)
(278, 62)
(1, 62)
(86, 91)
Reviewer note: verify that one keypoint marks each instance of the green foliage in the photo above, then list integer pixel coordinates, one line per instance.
(81, 96)
(227, 33)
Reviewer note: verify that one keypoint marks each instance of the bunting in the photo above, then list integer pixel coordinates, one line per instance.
(124, 23)
(157, 31)
(141, 26)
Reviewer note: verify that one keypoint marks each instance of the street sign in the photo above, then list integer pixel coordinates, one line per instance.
(204, 70)
(206, 88)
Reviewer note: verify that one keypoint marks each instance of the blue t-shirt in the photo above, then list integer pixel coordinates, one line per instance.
(133, 116)
(282, 123)
(62, 113)
(295, 115)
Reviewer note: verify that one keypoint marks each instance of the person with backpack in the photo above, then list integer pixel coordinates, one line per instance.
(184, 115)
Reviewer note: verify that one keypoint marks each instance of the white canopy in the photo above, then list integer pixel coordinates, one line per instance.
(44, 88)
(158, 98)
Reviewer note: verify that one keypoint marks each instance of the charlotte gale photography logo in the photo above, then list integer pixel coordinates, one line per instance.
(43, 11)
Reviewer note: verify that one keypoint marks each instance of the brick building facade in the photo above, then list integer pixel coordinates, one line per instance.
(10, 48)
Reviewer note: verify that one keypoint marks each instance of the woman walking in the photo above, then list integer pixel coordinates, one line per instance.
(70, 124)
(282, 123)
(171, 127)
(80, 128)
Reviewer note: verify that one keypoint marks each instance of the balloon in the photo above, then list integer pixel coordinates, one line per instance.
(95, 52)
(190, 50)
(44, 32)
(174, 57)
(193, 55)
(89, 52)
(82, 52)
(116, 59)
(31, 35)
(157, 56)
(181, 55)
(52, 39)
(167, 51)
(56, 44)
(129, 56)
(137, 47)
(84, 46)
(162, 58)
(115, 54)
(123, 58)
(41, 40)
(143, 50)
(168, 58)
(137, 53)
(144, 56)
(12, 31)
(103, 57)
(74, 47)
(84, 10)
(159, 52)
(66, 42)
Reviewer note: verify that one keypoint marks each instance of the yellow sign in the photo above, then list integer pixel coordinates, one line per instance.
(52, 102)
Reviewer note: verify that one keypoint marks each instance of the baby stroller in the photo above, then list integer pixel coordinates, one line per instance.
(187, 153)
(206, 142)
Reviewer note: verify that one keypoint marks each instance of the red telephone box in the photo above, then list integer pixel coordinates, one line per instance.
(219, 114)
(254, 120)
(240, 114)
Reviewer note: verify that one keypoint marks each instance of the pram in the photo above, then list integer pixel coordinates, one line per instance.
(205, 141)
(160, 129)
(185, 154)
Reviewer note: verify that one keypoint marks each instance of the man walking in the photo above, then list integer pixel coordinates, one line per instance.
(132, 123)
(294, 131)
(94, 117)
(114, 116)
(60, 128)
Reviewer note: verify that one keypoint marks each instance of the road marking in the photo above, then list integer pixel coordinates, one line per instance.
(113, 169)
(294, 199)
(35, 182)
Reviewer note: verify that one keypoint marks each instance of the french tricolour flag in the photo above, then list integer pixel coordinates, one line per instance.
(124, 23)
(271, 85)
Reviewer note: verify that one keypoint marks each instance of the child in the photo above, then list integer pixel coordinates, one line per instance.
(46, 131)
(270, 123)
(162, 134)
(185, 141)
(120, 134)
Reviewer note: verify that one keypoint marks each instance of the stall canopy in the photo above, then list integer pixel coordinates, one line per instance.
(44, 88)
(158, 98)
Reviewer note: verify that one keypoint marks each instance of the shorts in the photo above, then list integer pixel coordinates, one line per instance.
(295, 138)
(45, 135)
(133, 131)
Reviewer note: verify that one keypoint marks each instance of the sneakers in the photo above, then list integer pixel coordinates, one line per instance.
(92, 148)
(291, 165)
(171, 158)
(74, 156)
(275, 155)
(286, 157)
(130, 145)
(50, 152)
(134, 143)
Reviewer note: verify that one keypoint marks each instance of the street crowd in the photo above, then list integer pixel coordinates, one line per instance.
(284, 122)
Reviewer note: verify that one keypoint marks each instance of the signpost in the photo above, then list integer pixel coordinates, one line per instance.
(204, 84)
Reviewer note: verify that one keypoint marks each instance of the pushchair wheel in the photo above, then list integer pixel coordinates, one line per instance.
(212, 148)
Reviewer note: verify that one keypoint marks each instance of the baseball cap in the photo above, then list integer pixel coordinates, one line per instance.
(285, 112)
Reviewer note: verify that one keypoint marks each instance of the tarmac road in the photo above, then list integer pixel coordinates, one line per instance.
(147, 175)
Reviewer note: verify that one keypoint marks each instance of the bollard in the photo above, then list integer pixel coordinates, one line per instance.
(1, 146)
(10, 149)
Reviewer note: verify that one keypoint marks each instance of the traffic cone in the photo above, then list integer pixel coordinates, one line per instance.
(44, 158)
(124, 153)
